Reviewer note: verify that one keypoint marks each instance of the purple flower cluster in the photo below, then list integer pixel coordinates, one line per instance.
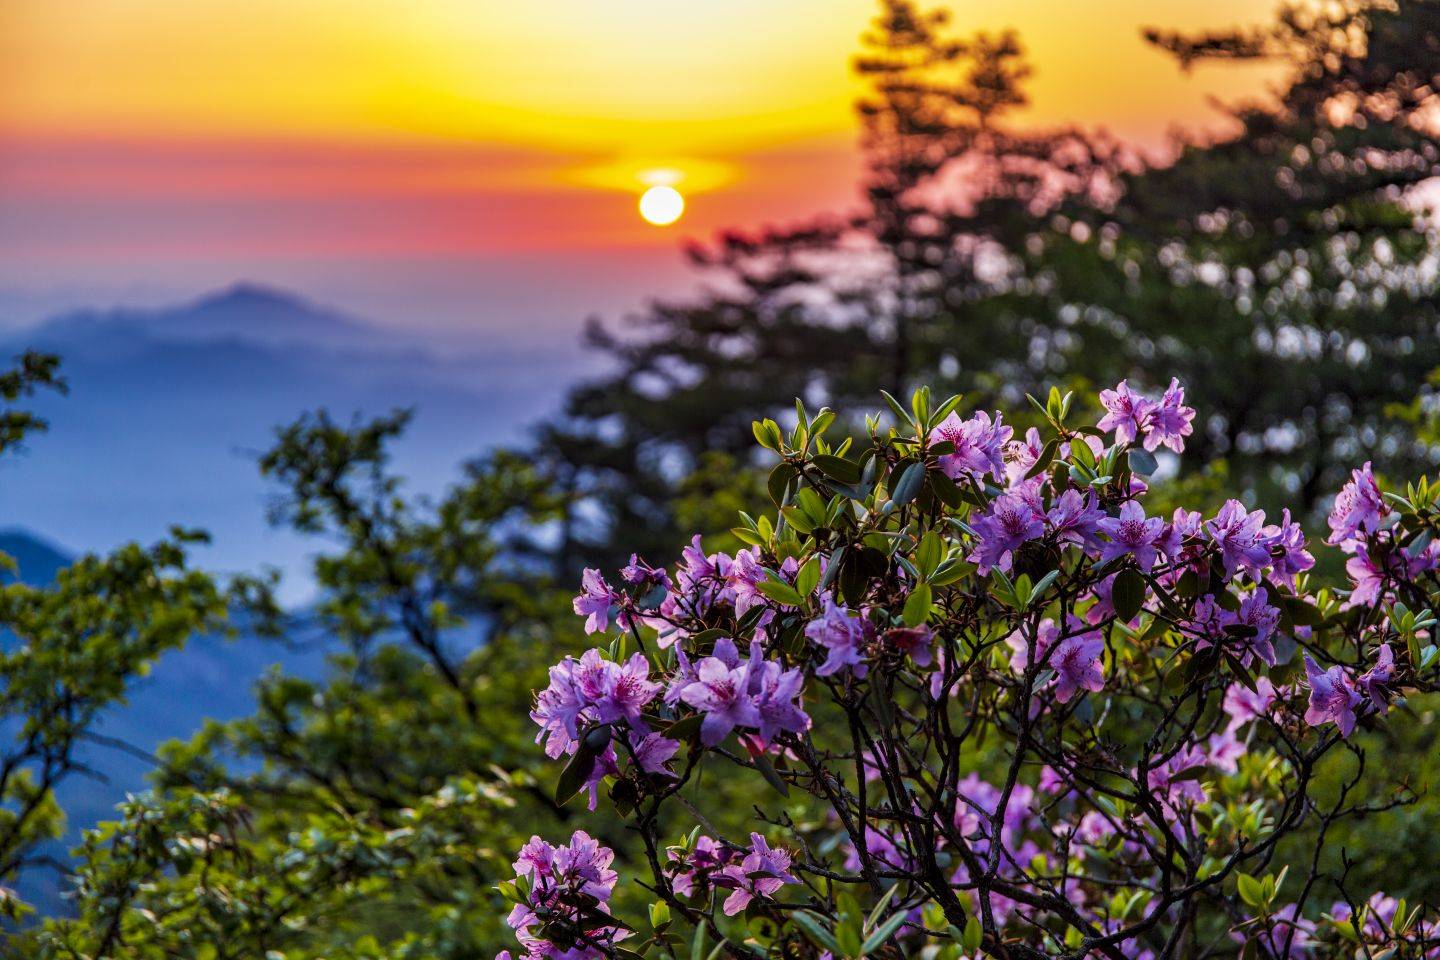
(1132, 416)
(979, 446)
(731, 692)
(1336, 698)
(1360, 522)
(708, 586)
(1117, 599)
(845, 635)
(1075, 657)
(754, 874)
(564, 913)
(589, 695)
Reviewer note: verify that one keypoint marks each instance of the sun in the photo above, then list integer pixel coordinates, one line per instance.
(661, 205)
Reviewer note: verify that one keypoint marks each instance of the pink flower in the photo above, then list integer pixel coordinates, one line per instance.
(1332, 697)
(722, 693)
(652, 753)
(570, 886)
(696, 870)
(591, 690)
(763, 872)
(1185, 525)
(1020, 456)
(1132, 533)
(776, 692)
(1358, 507)
(917, 643)
(1226, 751)
(1368, 580)
(638, 571)
(1238, 535)
(1169, 422)
(626, 691)
(1244, 705)
(595, 602)
(979, 446)
(1257, 615)
(1077, 665)
(844, 635)
(1045, 636)
(1375, 682)
(1128, 413)
(1010, 522)
(1287, 547)
(743, 579)
(1132, 416)
(1074, 518)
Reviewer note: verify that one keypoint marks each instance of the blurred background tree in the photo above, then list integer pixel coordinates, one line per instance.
(1284, 272)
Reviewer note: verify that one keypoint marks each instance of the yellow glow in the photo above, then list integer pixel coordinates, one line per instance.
(629, 173)
(661, 205)
(626, 78)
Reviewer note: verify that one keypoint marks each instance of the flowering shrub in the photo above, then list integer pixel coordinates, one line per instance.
(1006, 711)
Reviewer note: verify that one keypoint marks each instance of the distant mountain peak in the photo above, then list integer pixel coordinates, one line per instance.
(246, 311)
(248, 294)
(37, 559)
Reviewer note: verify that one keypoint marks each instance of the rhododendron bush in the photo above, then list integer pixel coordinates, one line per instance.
(1002, 708)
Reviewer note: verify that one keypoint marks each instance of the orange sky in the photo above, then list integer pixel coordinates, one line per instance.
(140, 133)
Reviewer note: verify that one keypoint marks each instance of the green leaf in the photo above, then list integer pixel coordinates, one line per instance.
(882, 933)
(1142, 461)
(812, 503)
(917, 606)
(929, 554)
(797, 519)
(767, 770)
(880, 906)
(808, 577)
(576, 772)
(746, 535)
(1128, 593)
(848, 936)
(685, 727)
(1249, 889)
(1302, 614)
(815, 929)
(1047, 457)
(908, 486)
(779, 481)
(950, 572)
(946, 491)
(767, 432)
(780, 592)
(973, 935)
(902, 416)
(838, 468)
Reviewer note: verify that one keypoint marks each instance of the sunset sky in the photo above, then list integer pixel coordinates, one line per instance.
(475, 153)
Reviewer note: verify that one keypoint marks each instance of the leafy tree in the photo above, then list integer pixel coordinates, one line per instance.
(1284, 272)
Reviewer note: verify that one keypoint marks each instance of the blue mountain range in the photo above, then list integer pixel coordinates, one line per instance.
(168, 409)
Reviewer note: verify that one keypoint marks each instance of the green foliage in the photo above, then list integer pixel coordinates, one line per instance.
(71, 650)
